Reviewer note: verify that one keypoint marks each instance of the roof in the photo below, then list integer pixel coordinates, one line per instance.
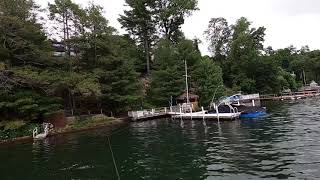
(184, 96)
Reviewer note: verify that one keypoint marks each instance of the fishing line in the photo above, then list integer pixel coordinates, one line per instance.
(112, 155)
(114, 161)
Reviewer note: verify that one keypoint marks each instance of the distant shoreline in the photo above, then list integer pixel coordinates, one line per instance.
(112, 125)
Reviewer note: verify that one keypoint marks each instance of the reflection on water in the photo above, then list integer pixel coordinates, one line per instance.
(282, 146)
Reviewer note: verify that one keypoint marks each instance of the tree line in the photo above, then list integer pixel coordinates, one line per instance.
(103, 71)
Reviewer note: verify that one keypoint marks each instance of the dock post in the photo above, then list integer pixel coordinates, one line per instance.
(180, 112)
(202, 112)
(217, 110)
(165, 110)
(203, 119)
(191, 113)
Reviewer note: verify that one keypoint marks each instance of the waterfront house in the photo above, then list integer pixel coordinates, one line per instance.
(59, 49)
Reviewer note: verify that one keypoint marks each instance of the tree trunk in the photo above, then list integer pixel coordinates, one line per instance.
(70, 102)
(95, 45)
(64, 35)
(147, 53)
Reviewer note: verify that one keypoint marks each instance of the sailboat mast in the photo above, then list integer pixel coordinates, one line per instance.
(187, 88)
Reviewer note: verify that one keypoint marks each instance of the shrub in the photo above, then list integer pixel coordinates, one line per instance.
(13, 125)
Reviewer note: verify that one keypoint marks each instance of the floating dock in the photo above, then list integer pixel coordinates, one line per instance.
(177, 112)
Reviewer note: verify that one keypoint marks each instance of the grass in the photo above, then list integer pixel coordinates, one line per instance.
(18, 128)
(91, 122)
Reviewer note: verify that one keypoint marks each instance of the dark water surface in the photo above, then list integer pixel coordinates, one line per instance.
(285, 145)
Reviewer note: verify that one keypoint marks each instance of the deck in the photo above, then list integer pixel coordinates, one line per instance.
(289, 96)
(178, 112)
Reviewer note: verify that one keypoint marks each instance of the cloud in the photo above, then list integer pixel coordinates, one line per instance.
(296, 7)
(288, 22)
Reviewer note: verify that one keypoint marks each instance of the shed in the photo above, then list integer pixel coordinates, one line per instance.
(193, 98)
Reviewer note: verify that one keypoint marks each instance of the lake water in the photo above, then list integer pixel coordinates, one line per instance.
(285, 145)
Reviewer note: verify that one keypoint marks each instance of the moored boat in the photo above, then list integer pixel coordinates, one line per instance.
(252, 112)
(248, 105)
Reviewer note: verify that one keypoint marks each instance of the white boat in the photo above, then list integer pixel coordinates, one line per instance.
(185, 111)
(225, 116)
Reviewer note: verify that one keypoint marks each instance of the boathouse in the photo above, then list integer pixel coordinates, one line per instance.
(193, 99)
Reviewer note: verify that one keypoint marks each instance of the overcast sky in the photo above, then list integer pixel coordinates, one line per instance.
(288, 22)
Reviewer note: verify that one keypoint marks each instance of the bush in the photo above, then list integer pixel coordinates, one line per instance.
(14, 129)
(14, 125)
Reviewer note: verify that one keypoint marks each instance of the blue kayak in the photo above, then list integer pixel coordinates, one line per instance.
(253, 114)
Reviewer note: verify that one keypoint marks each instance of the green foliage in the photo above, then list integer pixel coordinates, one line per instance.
(105, 71)
(101, 69)
(21, 38)
(20, 9)
(27, 105)
(167, 78)
(245, 48)
(141, 25)
(14, 129)
(170, 15)
(306, 62)
(166, 83)
(238, 49)
(12, 125)
(147, 21)
(209, 81)
(218, 35)
(120, 86)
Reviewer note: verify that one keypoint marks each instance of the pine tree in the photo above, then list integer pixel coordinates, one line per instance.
(209, 81)
(168, 77)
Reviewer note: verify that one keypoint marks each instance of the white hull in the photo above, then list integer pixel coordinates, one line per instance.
(201, 115)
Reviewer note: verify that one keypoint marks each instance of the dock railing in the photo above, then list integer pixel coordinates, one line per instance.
(290, 95)
(146, 113)
(156, 112)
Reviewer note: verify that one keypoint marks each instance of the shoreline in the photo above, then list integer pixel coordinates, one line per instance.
(112, 125)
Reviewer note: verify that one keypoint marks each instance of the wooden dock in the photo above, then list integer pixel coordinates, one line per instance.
(186, 113)
(179, 112)
(289, 96)
(149, 114)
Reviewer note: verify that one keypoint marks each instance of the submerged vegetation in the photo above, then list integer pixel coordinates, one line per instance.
(98, 70)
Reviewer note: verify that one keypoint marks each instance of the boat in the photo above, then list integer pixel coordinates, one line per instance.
(252, 112)
(248, 105)
(186, 109)
(223, 112)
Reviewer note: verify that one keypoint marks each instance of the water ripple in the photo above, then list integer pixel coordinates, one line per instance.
(284, 145)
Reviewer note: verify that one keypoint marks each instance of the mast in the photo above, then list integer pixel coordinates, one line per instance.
(187, 88)
(304, 78)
